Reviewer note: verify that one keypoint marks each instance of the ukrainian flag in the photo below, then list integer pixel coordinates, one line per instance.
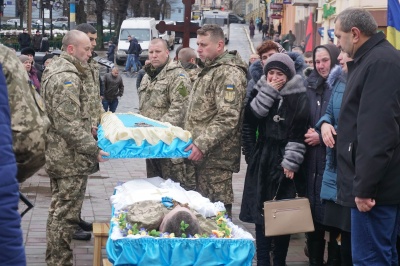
(393, 28)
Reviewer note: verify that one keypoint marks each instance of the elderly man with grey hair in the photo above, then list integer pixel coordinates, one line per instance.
(368, 150)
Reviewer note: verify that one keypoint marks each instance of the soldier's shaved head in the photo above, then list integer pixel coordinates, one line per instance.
(158, 40)
(186, 55)
(158, 52)
(77, 44)
(73, 37)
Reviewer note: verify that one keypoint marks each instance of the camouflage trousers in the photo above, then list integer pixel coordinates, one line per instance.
(67, 196)
(173, 169)
(212, 183)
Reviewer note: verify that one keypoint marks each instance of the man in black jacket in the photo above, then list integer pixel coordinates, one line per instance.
(133, 55)
(368, 148)
(24, 39)
(112, 90)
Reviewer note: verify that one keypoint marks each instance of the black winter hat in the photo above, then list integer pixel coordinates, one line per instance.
(28, 51)
(47, 56)
(281, 62)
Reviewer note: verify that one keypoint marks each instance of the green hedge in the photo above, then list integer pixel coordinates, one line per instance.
(12, 41)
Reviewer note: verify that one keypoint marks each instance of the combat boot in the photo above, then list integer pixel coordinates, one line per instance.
(85, 226)
(79, 234)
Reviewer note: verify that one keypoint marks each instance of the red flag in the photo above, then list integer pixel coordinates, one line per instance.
(309, 34)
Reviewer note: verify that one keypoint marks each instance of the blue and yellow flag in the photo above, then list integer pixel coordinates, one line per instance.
(393, 28)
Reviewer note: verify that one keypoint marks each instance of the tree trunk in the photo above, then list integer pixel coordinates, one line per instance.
(81, 16)
(100, 6)
(122, 7)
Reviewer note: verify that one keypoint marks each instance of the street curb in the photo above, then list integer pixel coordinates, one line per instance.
(250, 41)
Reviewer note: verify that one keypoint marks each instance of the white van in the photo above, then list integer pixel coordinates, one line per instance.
(218, 17)
(143, 29)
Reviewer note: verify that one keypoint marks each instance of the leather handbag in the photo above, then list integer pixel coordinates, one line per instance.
(288, 216)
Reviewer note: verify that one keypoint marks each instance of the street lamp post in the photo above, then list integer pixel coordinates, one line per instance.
(2, 7)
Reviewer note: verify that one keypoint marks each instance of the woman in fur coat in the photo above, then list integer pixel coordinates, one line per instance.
(278, 107)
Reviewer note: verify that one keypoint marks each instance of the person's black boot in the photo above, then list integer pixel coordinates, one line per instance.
(333, 254)
(263, 247)
(316, 251)
(228, 208)
(85, 226)
(79, 234)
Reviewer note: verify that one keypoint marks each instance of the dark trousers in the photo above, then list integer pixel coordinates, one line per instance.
(277, 245)
(112, 105)
(374, 235)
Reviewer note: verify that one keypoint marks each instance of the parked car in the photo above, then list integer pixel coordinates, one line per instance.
(60, 25)
(11, 23)
(233, 18)
(37, 24)
(61, 19)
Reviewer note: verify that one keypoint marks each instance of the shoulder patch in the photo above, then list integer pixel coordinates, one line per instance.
(230, 93)
(182, 89)
(182, 75)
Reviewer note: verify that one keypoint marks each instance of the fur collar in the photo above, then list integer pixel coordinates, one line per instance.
(293, 86)
(336, 74)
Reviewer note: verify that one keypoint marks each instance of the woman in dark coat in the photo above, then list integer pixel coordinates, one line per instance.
(319, 93)
(252, 29)
(336, 215)
(278, 107)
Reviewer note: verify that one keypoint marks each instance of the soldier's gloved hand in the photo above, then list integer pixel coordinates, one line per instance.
(100, 156)
(119, 98)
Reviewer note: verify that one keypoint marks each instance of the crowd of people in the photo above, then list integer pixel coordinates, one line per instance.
(341, 151)
(324, 125)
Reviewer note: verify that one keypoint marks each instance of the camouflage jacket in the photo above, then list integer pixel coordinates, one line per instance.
(71, 148)
(28, 118)
(91, 85)
(215, 112)
(192, 69)
(164, 98)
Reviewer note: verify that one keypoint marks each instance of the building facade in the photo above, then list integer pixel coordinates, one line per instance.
(295, 14)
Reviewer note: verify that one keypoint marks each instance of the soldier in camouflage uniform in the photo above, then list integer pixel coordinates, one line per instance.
(187, 57)
(163, 95)
(214, 116)
(91, 86)
(28, 119)
(72, 153)
(92, 80)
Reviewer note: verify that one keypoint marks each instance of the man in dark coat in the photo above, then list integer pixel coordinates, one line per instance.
(111, 51)
(112, 90)
(368, 149)
(24, 39)
(319, 93)
(36, 41)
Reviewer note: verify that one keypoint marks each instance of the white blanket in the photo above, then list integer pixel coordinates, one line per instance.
(155, 188)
